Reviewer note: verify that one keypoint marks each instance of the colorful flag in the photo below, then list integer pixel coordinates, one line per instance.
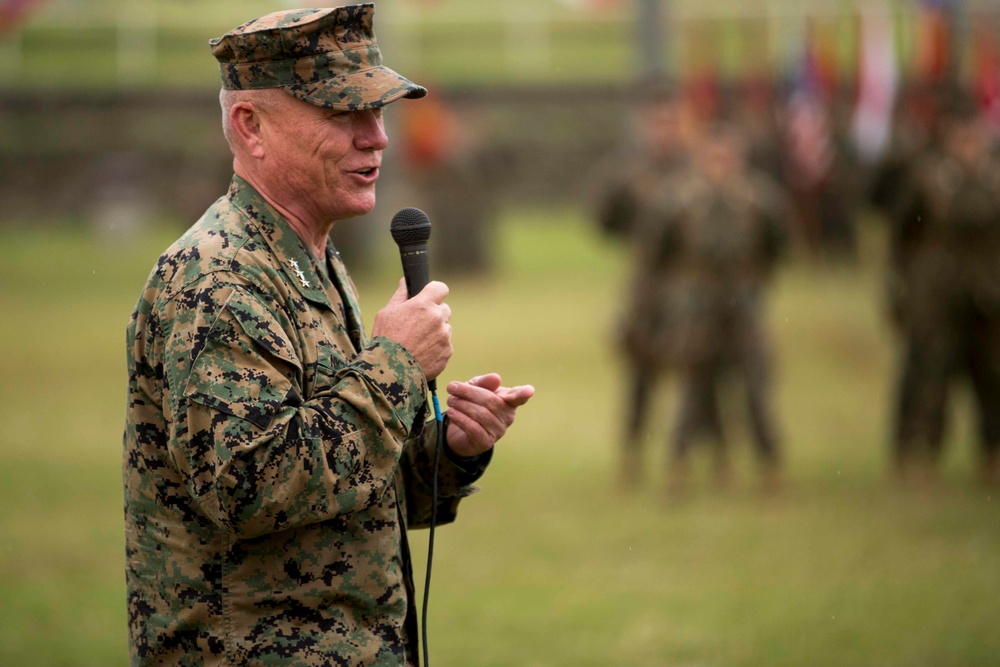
(871, 124)
(810, 144)
(988, 70)
(933, 48)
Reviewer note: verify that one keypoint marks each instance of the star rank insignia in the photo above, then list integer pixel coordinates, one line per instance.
(299, 272)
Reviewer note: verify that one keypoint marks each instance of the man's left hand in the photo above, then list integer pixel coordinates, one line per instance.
(480, 411)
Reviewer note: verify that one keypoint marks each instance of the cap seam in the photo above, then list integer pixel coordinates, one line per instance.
(328, 54)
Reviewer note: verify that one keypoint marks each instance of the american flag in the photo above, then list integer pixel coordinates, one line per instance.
(810, 144)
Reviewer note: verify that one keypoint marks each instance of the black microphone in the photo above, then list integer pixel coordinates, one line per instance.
(411, 229)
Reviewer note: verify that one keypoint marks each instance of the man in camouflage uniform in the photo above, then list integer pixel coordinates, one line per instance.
(658, 153)
(626, 193)
(274, 454)
(709, 246)
(944, 292)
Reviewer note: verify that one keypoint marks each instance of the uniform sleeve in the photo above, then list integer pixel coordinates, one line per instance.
(456, 476)
(617, 211)
(255, 455)
(657, 229)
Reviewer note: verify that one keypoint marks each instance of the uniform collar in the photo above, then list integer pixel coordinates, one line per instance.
(297, 262)
(348, 296)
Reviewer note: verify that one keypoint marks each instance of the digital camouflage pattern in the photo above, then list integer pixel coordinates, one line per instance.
(707, 253)
(630, 191)
(327, 57)
(627, 196)
(273, 457)
(944, 291)
(630, 181)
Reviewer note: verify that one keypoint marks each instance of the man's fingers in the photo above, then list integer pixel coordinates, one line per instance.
(399, 296)
(472, 392)
(513, 396)
(516, 396)
(489, 381)
(481, 410)
(478, 423)
(484, 406)
(473, 432)
(435, 291)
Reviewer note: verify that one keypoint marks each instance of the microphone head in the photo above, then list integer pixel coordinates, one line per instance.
(410, 225)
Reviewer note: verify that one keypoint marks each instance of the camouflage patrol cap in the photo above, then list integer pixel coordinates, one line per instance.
(327, 57)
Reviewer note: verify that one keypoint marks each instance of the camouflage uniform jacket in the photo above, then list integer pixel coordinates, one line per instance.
(273, 457)
(628, 192)
(704, 254)
(945, 242)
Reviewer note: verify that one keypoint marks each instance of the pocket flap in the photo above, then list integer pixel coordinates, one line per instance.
(246, 364)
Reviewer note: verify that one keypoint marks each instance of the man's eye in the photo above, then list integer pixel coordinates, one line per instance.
(377, 112)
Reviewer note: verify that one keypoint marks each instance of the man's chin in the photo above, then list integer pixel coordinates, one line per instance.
(361, 206)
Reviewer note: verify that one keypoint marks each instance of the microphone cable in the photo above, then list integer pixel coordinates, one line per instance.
(410, 230)
(438, 448)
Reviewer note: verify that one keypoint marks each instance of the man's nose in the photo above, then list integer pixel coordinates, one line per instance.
(370, 131)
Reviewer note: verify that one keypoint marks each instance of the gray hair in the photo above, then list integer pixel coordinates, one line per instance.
(265, 98)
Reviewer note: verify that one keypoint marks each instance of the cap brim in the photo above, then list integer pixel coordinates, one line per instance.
(365, 89)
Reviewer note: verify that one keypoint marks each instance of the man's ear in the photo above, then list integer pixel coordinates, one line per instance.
(245, 120)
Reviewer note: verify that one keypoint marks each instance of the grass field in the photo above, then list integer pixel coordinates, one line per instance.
(548, 565)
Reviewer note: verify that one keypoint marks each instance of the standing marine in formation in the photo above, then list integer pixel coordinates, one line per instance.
(944, 289)
(709, 248)
(629, 191)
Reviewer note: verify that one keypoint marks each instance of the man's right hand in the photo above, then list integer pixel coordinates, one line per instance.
(420, 325)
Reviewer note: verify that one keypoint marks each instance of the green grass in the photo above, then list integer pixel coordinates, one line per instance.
(548, 564)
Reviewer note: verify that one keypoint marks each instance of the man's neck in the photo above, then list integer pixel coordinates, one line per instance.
(315, 234)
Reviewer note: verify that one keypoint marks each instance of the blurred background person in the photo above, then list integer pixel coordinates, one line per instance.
(708, 247)
(642, 165)
(945, 292)
(631, 181)
(915, 126)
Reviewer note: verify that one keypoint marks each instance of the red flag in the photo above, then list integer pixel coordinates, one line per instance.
(933, 41)
(988, 71)
(12, 12)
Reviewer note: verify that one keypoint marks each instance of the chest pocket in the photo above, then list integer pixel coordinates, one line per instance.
(327, 338)
(329, 358)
